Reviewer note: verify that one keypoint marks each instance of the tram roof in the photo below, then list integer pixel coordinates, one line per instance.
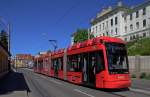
(96, 41)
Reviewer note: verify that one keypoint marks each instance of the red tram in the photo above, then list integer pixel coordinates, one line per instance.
(100, 62)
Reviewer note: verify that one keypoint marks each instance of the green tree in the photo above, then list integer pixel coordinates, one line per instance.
(139, 47)
(81, 35)
(4, 39)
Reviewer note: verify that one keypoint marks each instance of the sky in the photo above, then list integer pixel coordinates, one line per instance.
(34, 22)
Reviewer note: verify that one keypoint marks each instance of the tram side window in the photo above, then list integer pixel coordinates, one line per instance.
(52, 65)
(100, 61)
(42, 65)
(60, 63)
(92, 66)
(35, 64)
(74, 63)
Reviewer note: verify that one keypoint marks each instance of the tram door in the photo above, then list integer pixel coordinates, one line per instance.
(89, 64)
(84, 69)
(92, 68)
(56, 68)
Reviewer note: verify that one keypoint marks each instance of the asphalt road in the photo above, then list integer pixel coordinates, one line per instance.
(141, 84)
(44, 86)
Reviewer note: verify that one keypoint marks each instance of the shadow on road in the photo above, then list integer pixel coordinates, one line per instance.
(13, 81)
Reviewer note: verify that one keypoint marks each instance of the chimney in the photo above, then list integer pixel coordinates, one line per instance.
(120, 3)
(110, 7)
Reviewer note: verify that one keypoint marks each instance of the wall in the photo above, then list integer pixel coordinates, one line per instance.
(139, 64)
(3, 61)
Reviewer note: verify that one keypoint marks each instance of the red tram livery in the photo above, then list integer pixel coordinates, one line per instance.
(100, 62)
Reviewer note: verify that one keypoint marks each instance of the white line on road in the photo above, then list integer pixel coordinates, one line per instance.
(140, 91)
(77, 90)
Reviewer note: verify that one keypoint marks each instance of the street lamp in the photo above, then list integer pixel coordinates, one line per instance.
(7, 25)
(54, 43)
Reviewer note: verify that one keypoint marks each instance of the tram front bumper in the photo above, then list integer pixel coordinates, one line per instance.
(117, 84)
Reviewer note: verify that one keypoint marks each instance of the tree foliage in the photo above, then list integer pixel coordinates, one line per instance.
(4, 38)
(81, 35)
(139, 47)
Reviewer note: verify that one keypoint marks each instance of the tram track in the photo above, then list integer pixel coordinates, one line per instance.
(118, 95)
(59, 84)
(45, 78)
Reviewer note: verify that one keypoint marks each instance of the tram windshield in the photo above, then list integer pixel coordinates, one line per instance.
(117, 58)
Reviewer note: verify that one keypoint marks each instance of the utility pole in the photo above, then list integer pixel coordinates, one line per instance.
(8, 36)
(88, 34)
(54, 43)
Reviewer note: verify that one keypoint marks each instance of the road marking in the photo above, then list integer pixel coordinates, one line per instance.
(140, 91)
(77, 90)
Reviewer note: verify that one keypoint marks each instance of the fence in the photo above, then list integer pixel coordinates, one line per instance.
(139, 64)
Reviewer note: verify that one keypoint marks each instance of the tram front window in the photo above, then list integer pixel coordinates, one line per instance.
(117, 58)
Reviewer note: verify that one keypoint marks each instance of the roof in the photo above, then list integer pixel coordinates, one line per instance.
(24, 56)
(140, 6)
(124, 8)
(40, 57)
(95, 41)
(110, 13)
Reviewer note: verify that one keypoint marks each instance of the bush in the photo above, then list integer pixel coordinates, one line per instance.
(143, 75)
(139, 47)
(133, 76)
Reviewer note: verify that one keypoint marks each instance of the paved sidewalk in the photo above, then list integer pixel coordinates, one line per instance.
(141, 84)
(14, 85)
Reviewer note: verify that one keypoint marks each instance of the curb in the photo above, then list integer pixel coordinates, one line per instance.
(146, 92)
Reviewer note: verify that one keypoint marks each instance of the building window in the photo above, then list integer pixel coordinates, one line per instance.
(107, 23)
(125, 29)
(144, 34)
(116, 31)
(111, 22)
(103, 34)
(125, 19)
(144, 11)
(125, 39)
(93, 29)
(116, 20)
(130, 16)
(103, 26)
(100, 27)
(134, 37)
(107, 33)
(111, 31)
(130, 37)
(144, 23)
(137, 14)
(131, 27)
(137, 25)
(137, 36)
(96, 29)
